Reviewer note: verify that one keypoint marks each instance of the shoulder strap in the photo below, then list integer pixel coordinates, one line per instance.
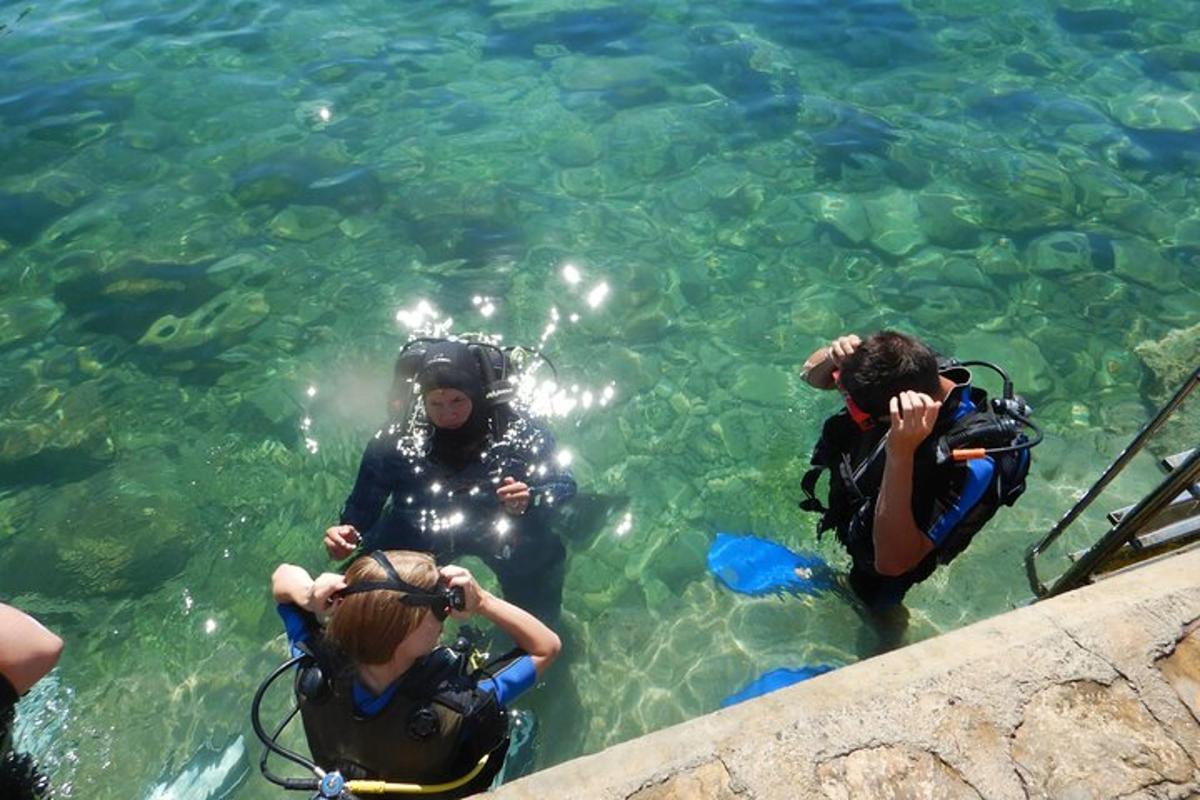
(808, 485)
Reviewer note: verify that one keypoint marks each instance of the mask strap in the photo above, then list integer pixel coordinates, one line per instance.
(413, 595)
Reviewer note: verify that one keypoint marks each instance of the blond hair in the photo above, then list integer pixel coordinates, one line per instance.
(367, 626)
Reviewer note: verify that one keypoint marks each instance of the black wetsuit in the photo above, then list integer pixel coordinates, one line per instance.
(451, 510)
(20, 778)
(951, 502)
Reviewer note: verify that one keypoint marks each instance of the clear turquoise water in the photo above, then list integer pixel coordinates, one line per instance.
(208, 208)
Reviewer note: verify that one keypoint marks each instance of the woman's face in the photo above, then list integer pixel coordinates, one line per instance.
(447, 408)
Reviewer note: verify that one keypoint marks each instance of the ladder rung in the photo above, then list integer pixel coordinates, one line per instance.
(1172, 535)
(1184, 504)
(1171, 463)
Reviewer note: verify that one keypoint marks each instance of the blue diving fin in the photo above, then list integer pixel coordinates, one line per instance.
(754, 566)
(775, 679)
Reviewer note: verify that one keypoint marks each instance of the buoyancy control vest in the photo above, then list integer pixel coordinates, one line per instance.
(435, 728)
(855, 461)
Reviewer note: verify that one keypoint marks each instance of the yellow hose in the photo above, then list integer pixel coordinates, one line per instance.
(383, 787)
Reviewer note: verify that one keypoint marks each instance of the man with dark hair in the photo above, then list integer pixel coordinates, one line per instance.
(898, 506)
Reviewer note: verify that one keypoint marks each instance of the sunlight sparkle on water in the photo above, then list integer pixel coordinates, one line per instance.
(484, 305)
(210, 625)
(597, 295)
(571, 274)
(324, 114)
(547, 399)
(423, 319)
(625, 526)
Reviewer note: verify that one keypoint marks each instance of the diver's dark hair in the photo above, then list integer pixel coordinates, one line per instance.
(886, 364)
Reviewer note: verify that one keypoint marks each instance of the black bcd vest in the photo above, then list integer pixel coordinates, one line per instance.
(435, 728)
(855, 461)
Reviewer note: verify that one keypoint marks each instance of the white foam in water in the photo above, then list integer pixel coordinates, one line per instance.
(42, 716)
(200, 781)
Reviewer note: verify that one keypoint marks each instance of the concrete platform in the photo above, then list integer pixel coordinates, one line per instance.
(1095, 694)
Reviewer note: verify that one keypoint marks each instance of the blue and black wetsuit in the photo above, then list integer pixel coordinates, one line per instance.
(451, 509)
(951, 502)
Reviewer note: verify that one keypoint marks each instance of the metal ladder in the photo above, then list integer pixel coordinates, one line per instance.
(1165, 520)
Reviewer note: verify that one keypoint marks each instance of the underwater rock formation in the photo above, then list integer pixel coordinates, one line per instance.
(285, 181)
(224, 319)
(50, 435)
(24, 216)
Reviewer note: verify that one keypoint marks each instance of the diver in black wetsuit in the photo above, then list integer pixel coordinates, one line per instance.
(919, 460)
(27, 652)
(466, 474)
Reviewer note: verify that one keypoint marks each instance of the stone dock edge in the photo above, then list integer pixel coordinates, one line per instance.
(1093, 694)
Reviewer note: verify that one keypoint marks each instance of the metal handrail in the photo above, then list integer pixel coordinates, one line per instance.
(1180, 478)
(1139, 441)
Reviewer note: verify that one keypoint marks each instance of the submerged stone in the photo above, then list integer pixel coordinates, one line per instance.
(1154, 111)
(225, 318)
(844, 213)
(1138, 261)
(304, 223)
(475, 242)
(22, 319)
(1094, 20)
(645, 326)
(1028, 368)
(275, 183)
(299, 182)
(585, 74)
(948, 220)
(583, 182)
(1187, 232)
(1058, 253)
(593, 31)
(573, 149)
(688, 194)
(999, 258)
(55, 436)
(1036, 176)
(125, 299)
(23, 217)
(894, 221)
(763, 384)
(693, 278)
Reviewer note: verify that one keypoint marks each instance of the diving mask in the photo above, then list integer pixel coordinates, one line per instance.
(862, 419)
